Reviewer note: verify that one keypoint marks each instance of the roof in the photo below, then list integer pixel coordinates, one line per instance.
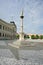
(8, 23)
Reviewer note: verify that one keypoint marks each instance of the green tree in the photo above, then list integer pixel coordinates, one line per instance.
(26, 36)
(32, 36)
(41, 36)
(36, 37)
(17, 36)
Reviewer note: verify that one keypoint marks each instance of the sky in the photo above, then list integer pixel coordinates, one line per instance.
(33, 14)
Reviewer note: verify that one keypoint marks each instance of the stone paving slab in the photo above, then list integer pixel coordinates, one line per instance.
(6, 53)
(35, 57)
(35, 54)
(12, 61)
(2, 43)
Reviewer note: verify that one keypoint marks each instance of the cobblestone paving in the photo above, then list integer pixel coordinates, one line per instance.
(6, 53)
(35, 57)
(12, 61)
(2, 43)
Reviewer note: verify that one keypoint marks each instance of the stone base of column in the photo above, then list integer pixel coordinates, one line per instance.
(21, 36)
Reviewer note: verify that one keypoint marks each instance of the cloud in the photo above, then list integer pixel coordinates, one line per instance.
(33, 13)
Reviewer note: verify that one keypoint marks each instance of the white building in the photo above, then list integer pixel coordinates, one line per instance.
(7, 30)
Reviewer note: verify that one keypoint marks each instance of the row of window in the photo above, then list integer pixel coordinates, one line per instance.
(4, 35)
(6, 28)
(0, 26)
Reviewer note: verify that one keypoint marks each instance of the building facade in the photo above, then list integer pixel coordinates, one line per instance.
(7, 30)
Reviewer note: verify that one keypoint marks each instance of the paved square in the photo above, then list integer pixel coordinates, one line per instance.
(27, 57)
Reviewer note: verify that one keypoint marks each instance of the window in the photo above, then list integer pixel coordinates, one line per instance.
(0, 34)
(3, 34)
(3, 27)
(0, 26)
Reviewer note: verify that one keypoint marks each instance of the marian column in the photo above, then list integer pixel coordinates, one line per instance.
(21, 32)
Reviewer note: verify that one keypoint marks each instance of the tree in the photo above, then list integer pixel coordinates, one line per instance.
(26, 36)
(36, 37)
(41, 37)
(32, 37)
(17, 36)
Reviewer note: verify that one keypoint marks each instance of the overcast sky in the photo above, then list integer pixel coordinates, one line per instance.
(33, 14)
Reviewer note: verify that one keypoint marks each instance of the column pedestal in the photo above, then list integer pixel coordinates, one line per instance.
(21, 36)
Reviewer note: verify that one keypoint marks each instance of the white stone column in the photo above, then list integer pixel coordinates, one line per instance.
(21, 29)
(22, 25)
